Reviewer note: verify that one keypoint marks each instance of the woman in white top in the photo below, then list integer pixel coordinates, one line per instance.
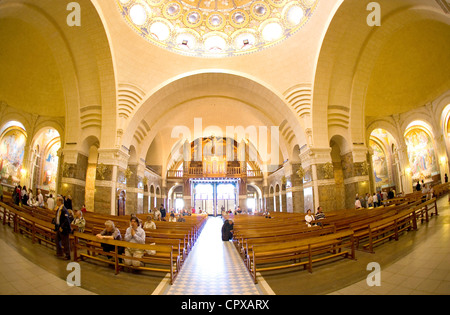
(157, 214)
(357, 203)
(149, 224)
(309, 218)
(31, 200)
(172, 218)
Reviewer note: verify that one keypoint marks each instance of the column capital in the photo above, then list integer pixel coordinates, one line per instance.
(116, 157)
(315, 156)
(359, 153)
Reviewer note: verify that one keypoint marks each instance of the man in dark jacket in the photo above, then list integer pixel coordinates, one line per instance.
(63, 230)
(227, 230)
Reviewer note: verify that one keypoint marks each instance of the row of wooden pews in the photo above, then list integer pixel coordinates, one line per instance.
(285, 241)
(166, 247)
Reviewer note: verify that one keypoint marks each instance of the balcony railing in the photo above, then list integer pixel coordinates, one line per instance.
(199, 172)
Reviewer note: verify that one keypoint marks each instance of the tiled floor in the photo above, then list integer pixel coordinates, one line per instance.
(22, 277)
(215, 268)
(425, 271)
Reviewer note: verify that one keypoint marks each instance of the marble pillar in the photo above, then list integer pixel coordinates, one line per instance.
(110, 181)
(72, 177)
(296, 189)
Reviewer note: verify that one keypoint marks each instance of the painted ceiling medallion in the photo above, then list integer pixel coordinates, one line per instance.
(216, 28)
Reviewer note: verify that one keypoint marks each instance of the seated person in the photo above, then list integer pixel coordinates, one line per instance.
(149, 224)
(180, 218)
(320, 215)
(134, 234)
(110, 233)
(309, 218)
(172, 218)
(79, 221)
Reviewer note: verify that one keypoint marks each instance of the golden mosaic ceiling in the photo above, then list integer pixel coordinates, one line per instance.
(216, 28)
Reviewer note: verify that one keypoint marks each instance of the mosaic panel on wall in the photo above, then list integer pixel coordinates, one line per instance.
(50, 142)
(12, 147)
(421, 155)
(379, 163)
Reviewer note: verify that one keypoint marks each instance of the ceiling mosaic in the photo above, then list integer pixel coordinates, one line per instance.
(219, 28)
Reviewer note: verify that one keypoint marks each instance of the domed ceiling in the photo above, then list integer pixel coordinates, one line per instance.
(216, 28)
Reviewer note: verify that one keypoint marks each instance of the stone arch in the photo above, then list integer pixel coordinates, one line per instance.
(84, 65)
(347, 60)
(209, 84)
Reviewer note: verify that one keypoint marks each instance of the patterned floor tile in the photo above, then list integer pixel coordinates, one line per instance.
(213, 267)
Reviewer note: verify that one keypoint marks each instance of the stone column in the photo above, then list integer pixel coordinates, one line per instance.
(187, 193)
(72, 181)
(298, 198)
(135, 192)
(318, 179)
(356, 175)
(405, 175)
(110, 180)
(243, 193)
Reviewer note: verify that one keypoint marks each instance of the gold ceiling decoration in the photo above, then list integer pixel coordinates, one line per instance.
(216, 28)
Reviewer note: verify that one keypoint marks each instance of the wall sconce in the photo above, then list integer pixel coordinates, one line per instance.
(443, 160)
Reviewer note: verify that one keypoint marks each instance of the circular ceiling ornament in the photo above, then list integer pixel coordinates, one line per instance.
(216, 28)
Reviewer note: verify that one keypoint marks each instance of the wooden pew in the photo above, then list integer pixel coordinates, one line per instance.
(389, 228)
(277, 239)
(177, 241)
(286, 254)
(162, 261)
(424, 209)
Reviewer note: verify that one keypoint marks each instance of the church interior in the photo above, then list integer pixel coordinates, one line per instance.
(249, 110)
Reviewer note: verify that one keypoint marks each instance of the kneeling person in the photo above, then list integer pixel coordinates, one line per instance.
(134, 234)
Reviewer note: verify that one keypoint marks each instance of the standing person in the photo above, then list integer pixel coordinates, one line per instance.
(30, 200)
(134, 234)
(24, 195)
(62, 229)
(1, 192)
(418, 187)
(17, 197)
(375, 200)
(369, 201)
(446, 178)
(163, 212)
(357, 203)
(51, 202)
(68, 202)
(40, 199)
(157, 214)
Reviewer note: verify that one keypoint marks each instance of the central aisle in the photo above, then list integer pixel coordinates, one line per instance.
(213, 267)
